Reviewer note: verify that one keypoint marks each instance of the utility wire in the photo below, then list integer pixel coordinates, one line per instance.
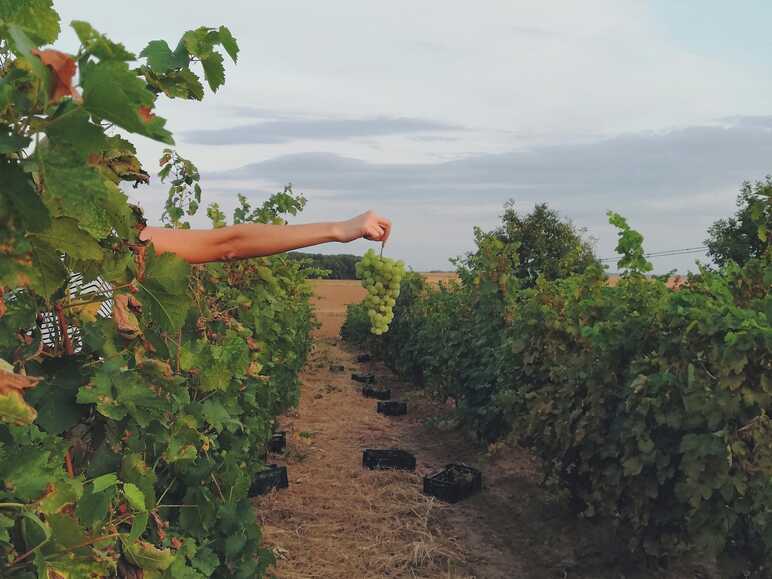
(665, 253)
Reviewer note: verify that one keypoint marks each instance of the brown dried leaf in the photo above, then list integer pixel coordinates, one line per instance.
(125, 320)
(63, 66)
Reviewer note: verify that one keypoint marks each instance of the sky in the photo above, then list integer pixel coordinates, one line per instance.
(435, 113)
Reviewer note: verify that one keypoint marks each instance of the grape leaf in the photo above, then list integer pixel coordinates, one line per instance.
(138, 526)
(206, 561)
(37, 18)
(13, 408)
(92, 507)
(49, 273)
(27, 473)
(229, 43)
(64, 235)
(182, 83)
(148, 557)
(74, 189)
(134, 496)
(54, 399)
(215, 414)
(10, 142)
(74, 127)
(62, 494)
(214, 71)
(65, 530)
(114, 92)
(103, 482)
(160, 57)
(135, 471)
(63, 68)
(98, 44)
(164, 291)
(18, 188)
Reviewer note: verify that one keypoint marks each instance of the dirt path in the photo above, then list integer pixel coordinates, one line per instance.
(339, 520)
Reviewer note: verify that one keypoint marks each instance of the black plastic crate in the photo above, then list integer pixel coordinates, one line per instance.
(278, 442)
(363, 358)
(337, 367)
(392, 407)
(364, 378)
(454, 483)
(383, 458)
(273, 477)
(377, 393)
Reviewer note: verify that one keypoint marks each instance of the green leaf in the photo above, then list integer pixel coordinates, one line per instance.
(40, 530)
(234, 544)
(10, 142)
(65, 530)
(74, 128)
(164, 292)
(138, 526)
(74, 189)
(23, 45)
(19, 189)
(49, 273)
(160, 57)
(98, 44)
(37, 18)
(54, 399)
(135, 471)
(214, 71)
(229, 43)
(114, 92)
(65, 492)
(148, 557)
(206, 561)
(28, 473)
(65, 235)
(104, 482)
(93, 506)
(135, 496)
(182, 83)
(215, 414)
(633, 466)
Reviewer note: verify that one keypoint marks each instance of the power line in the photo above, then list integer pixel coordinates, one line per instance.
(666, 253)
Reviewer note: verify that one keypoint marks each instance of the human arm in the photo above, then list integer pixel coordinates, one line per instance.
(258, 239)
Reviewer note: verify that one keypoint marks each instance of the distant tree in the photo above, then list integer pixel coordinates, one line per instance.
(341, 266)
(540, 243)
(743, 236)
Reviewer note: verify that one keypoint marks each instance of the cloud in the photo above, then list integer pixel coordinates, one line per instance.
(630, 168)
(286, 129)
(672, 186)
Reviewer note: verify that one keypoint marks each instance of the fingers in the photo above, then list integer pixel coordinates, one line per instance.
(386, 227)
(374, 232)
(375, 227)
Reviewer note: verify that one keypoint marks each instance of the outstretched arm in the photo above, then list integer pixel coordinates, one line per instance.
(257, 239)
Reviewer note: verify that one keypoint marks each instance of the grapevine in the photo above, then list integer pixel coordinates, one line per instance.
(136, 392)
(381, 277)
(650, 407)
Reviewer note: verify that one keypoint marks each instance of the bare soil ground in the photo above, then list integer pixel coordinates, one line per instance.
(339, 520)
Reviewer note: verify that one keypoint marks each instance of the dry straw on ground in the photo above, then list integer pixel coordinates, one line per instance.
(337, 519)
(380, 525)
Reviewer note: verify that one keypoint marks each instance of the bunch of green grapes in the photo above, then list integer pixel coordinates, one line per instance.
(381, 277)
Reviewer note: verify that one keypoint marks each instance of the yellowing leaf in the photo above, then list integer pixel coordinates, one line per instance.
(13, 408)
(144, 555)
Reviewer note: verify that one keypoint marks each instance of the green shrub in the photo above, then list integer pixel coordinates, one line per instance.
(649, 406)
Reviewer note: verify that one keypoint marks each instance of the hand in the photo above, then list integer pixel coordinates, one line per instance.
(368, 225)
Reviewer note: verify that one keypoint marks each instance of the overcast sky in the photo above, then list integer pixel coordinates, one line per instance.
(435, 113)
